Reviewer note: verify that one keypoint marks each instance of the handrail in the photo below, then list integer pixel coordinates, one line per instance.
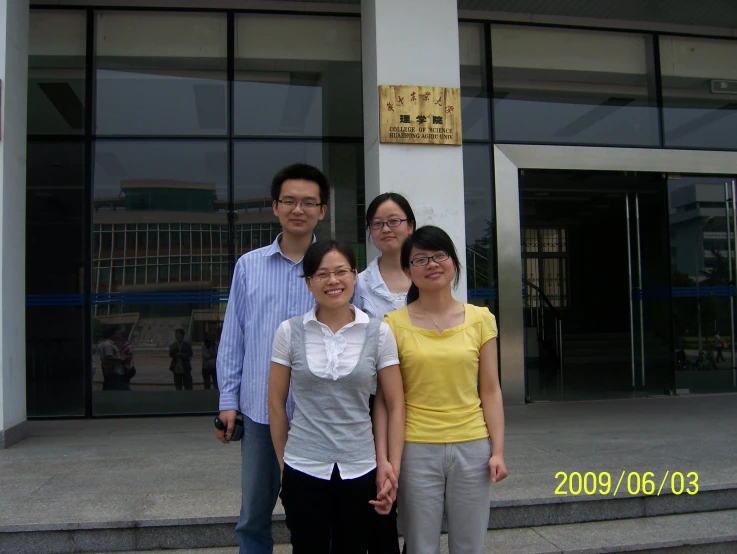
(540, 324)
(542, 295)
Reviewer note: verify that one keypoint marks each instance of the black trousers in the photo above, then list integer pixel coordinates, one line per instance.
(328, 517)
(210, 375)
(384, 536)
(183, 379)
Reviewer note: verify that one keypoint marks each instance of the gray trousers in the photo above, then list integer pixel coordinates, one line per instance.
(452, 477)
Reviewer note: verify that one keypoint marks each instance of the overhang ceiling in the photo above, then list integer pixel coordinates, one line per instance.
(703, 13)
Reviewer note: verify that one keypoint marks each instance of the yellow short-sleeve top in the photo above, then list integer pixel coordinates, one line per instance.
(440, 372)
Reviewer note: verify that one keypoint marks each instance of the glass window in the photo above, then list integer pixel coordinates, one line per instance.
(474, 94)
(699, 79)
(54, 277)
(257, 162)
(161, 73)
(298, 76)
(56, 69)
(573, 87)
(157, 185)
(480, 225)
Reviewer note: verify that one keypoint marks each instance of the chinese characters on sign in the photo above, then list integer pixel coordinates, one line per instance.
(419, 115)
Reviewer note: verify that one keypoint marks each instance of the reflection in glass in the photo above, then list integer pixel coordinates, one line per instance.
(702, 250)
(161, 73)
(56, 69)
(160, 211)
(298, 76)
(699, 79)
(480, 225)
(474, 95)
(54, 278)
(573, 87)
(255, 165)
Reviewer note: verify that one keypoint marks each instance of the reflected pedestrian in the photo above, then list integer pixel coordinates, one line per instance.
(209, 350)
(181, 354)
(719, 345)
(113, 368)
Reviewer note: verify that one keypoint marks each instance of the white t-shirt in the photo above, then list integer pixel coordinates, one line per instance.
(332, 356)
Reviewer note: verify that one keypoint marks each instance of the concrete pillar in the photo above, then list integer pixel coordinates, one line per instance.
(13, 101)
(413, 42)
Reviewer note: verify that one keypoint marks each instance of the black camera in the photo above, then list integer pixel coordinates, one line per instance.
(237, 427)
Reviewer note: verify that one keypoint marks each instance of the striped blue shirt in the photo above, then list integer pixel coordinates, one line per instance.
(266, 290)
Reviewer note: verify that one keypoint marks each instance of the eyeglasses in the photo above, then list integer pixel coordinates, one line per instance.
(424, 260)
(325, 275)
(306, 204)
(394, 222)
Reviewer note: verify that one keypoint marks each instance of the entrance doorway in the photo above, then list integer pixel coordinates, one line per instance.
(596, 276)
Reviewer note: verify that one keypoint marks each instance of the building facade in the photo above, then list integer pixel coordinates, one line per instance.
(592, 199)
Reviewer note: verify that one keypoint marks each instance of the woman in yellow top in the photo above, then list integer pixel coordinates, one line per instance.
(454, 411)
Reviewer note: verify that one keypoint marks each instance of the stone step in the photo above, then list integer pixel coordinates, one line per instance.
(699, 533)
(209, 532)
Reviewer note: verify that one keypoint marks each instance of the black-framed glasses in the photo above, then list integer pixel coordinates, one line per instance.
(424, 260)
(393, 222)
(306, 204)
(325, 275)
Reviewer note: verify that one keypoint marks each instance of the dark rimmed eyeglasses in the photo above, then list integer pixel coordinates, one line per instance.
(424, 260)
(393, 222)
(306, 204)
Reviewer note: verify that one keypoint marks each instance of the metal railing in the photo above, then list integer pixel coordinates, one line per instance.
(540, 313)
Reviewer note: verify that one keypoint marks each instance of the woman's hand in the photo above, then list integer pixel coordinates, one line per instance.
(386, 479)
(385, 497)
(497, 468)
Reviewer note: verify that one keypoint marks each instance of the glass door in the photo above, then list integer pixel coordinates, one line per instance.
(702, 239)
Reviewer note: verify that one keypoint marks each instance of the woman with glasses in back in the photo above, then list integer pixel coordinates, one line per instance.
(332, 356)
(454, 431)
(382, 288)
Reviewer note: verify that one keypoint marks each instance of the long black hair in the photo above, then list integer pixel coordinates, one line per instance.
(400, 200)
(317, 250)
(428, 237)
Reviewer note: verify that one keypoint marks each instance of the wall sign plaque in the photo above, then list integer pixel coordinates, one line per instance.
(419, 115)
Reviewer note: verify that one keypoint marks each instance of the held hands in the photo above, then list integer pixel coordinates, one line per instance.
(228, 419)
(497, 468)
(386, 488)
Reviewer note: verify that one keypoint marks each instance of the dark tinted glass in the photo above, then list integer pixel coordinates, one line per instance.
(161, 73)
(56, 63)
(54, 278)
(160, 262)
(480, 225)
(298, 76)
(573, 87)
(474, 93)
(699, 79)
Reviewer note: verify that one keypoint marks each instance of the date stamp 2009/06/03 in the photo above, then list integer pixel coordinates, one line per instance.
(633, 483)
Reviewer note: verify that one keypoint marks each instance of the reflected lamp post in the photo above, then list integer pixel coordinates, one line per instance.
(699, 264)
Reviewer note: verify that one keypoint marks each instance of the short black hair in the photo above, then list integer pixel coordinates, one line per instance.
(176, 332)
(109, 331)
(316, 252)
(400, 200)
(428, 237)
(303, 172)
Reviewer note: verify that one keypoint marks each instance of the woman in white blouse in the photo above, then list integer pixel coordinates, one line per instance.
(382, 288)
(331, 357)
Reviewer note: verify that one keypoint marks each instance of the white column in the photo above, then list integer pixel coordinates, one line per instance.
(14, 76)
(413, 42)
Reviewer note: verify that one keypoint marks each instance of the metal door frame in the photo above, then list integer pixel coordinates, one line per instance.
(508, 160)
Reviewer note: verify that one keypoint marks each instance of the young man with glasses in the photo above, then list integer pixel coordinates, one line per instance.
(267, 289)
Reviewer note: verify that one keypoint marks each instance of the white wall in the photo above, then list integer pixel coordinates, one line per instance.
(405, 42)
(14, 76)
